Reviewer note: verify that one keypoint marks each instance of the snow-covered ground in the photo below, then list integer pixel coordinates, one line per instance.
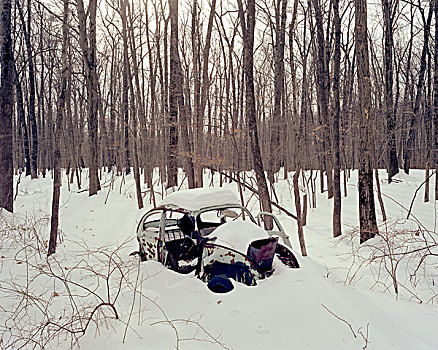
(342, 297)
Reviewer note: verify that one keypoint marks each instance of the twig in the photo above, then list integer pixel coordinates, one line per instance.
(364, 337)
(132, 305)
(252, 189)
(416, 191)
(18, 182)
(341, 319)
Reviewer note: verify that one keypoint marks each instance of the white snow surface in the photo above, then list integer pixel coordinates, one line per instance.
(338, 299)
(238, 234)
(200, 198)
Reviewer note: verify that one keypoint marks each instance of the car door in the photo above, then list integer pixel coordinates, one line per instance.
(149, 231)
(265, 219)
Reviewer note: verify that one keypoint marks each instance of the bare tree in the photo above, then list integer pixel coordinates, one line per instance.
(435, 100)
(26, 26)
(58, 130)
(177, 104)
(6, 104)
(388, 14)
(88, 46)
(323, 88)
(22, 119)
(337, 226)
(367, 210)
(248, 26)
(413, 125)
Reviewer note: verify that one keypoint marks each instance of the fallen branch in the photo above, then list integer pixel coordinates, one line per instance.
(416, 191)
(365, 338)
(18, 182)
(340, 319)
(252, 189)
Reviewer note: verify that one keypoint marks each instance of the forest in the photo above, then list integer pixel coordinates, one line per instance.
(324, 112)
(135, 85)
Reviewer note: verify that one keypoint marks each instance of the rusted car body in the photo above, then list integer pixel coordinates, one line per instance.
(209, 232)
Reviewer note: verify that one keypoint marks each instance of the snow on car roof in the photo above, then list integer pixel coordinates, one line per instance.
(200, 198)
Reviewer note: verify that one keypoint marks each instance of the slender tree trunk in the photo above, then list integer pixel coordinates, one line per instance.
(22, 118)
(323, 88)
(392, 162)
(6, 104)
(205, 87)
(278, 119)
(177, 106)
(420, 88)
(172, 170)
(57, 132)
(367, 210)
(337, 227)
(435, 101)
(248, 26)
(197, 122)
(31, 106)
(88, 45)
(428, 125)
(125, 108)
(299, 212)
(379, 195)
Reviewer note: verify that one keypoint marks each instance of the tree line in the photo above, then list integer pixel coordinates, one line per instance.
(135, 85)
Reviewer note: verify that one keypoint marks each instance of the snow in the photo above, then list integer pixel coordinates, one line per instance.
(238, 235)
(338, 299)
(200, 198)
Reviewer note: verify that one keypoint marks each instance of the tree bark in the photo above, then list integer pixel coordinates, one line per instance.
(299, 212)
(367, 210)
(337, 227)
(88, 46)
(22, 118)
(125, 93)
(248, 26)
(323, 88)
(205, 87)
(392, 162)
(420, 87)
(6, 104)
(57, 132)
(31, 106)
(278, 119)
(177, 106)
(435, 100)
(172, 167)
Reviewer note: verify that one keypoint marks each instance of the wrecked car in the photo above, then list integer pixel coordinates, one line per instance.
(208, 231)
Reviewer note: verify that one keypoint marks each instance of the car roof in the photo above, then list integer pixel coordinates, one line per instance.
(200, 198)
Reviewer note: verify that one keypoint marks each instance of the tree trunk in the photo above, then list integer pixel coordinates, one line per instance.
(435, 101)
(299, 212)
(205, 87)
(248, 26)
(125, 77)
(367, 210)
(172, 166)
(6, 103)
(57, 132)
(323, 88)
(278, 119)
(88, 45)
(22, 118)
(420, 87)
(392, 162)
(337, 227)
(177, 106)
(31, 106)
